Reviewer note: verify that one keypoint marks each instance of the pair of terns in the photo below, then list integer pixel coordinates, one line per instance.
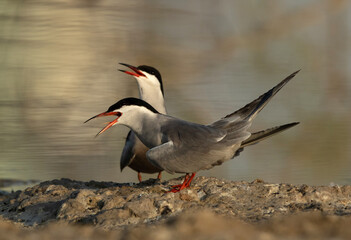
(160, 142)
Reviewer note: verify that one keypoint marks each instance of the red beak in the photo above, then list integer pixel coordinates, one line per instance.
(110, 124)
(136, 73)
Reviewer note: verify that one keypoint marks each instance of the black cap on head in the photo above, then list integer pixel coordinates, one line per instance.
(131, 101)
(152, 71)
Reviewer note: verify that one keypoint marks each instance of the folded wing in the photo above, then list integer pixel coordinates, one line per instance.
(192, 147)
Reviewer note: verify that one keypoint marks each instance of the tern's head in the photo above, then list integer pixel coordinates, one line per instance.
(125, 110)
(147, 77)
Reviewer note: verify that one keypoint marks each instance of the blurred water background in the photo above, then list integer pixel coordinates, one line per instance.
(59, 61)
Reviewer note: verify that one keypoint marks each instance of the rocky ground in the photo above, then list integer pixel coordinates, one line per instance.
(211, 208)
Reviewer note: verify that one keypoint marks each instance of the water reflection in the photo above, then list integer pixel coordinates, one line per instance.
(58, 67)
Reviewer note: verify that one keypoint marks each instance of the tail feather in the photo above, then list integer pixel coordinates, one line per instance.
(250, 111)
(261, 135)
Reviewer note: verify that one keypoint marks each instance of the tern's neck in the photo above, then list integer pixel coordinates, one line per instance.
(145, 124)
(153, 95)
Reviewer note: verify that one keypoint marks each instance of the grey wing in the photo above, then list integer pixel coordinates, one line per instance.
(191, 134)
(128, 150)
(185, 159)
(191, 148)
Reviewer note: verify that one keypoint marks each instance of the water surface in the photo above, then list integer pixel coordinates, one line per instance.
(59, 61)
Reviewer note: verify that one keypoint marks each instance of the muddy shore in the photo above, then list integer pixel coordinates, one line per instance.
(211, 208)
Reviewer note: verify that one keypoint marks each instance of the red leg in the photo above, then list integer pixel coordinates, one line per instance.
(190, 179)
(185, 184)
(159, 175)
(139, 176)
(185, 180)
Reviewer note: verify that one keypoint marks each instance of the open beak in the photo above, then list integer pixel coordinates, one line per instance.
(136, 73)
(110, 124)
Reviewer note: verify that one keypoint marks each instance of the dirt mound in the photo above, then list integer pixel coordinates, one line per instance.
(211, 207)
